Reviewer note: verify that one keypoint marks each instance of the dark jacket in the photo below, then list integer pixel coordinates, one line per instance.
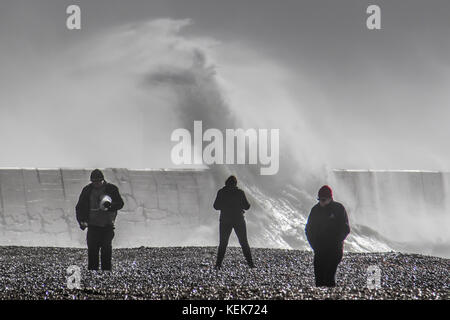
(82, 208)
(231, 201)
(327, 227)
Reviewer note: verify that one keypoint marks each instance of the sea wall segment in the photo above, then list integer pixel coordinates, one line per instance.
(37, 206)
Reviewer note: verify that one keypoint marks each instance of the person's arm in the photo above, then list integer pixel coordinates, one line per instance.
(218, 202)
(345, 227)
(245, 203)
(81, 209)
(117, 201)
(310, 229)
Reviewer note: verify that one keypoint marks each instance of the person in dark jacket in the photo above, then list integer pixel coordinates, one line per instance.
(326, 230)
(231, 201)
(96, 210)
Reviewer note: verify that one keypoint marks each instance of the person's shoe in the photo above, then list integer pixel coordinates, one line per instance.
(320, 284)
(217, 267)
(252, 265)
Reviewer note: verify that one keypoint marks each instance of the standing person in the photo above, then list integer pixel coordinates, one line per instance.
(231, 201)
(96, 210)
(326, 230)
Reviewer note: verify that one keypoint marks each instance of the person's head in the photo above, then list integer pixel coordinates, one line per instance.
(325, 196)
(231, 181)
(97, 178)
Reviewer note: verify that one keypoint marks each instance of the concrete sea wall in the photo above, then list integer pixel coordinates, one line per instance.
(37, 206)
(412, 207)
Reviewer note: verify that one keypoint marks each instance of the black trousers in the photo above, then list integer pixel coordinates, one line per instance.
(225, 228)
(99, 239)
(326, 262)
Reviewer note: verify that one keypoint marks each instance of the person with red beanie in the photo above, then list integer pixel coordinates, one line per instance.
(326, 230)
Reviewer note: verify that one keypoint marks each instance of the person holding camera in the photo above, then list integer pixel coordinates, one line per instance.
(96, 210)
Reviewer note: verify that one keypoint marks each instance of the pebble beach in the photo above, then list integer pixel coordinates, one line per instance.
(40, 273)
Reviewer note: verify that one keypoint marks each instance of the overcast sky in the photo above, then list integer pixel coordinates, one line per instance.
(346, 96)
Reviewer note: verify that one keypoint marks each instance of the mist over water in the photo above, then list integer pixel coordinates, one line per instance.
(121, 94)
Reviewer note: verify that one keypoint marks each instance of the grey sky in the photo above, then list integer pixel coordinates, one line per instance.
(382, 95)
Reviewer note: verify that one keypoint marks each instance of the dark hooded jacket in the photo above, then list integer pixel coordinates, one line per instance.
(82, 208)
(231, 201)
(327, 227)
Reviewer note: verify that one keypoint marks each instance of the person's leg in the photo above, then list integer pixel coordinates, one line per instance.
(319, 268)
(106, 253)
(334, 259)
(241, 232)
(225, 231)
(93, 248)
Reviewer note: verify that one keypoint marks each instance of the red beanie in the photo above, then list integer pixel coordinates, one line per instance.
(325, 192)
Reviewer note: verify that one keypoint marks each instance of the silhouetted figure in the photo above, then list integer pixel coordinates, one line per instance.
(97, 210)
(231, 202)
(326, 230)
